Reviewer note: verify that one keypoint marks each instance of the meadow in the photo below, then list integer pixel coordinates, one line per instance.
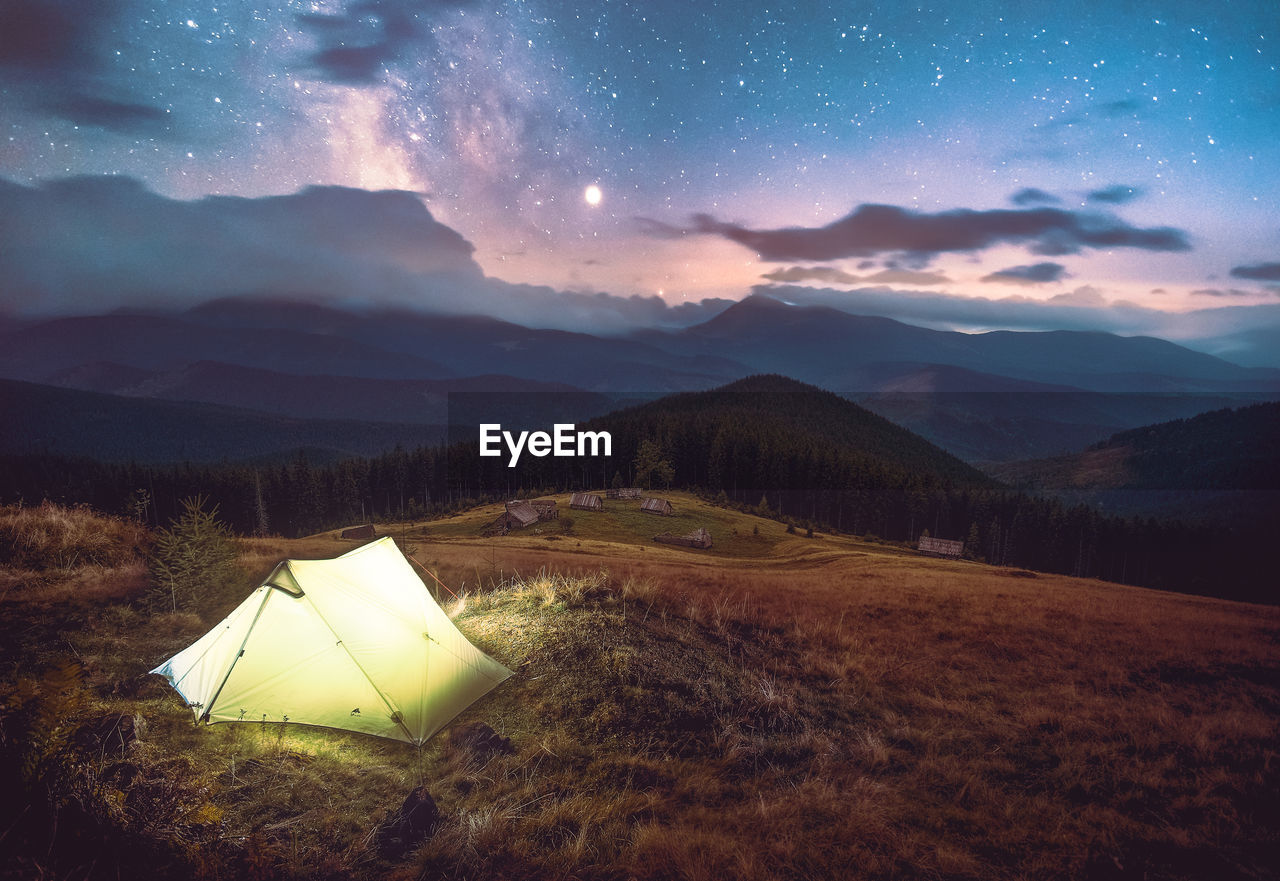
(776, 706)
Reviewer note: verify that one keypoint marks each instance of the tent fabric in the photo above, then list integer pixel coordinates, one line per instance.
(356, 642)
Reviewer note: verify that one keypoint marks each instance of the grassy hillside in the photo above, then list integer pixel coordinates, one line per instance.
(780, 706)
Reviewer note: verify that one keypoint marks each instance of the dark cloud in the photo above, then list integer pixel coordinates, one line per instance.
(1258, 272)
(1115, 195)
(1036, 273)
(52, 38)
(99, 243)
(52, 63)
(120, 116)
(877, 229)
(1033, 196)
(1220, 292)
(366, 37)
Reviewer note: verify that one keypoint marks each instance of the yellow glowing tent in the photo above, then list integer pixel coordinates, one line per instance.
(356, 642)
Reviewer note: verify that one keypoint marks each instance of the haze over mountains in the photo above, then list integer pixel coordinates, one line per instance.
(985, 397)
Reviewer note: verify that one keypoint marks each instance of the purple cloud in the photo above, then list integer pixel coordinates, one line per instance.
(1036, 273)
(1258, 272)
(1220, 292)
(878, 229)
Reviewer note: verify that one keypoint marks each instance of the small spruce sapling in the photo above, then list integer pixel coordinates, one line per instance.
(193, 557)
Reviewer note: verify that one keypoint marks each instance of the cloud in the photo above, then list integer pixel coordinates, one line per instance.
(52, 38)
(1123, 107)
(1118, 194)
(879, 229)
(832, 275)
(368, 36)
(92, 244)
(828, 274)
(1033, 196)
(1258, 272)
(1219, 292)
(127, 117)
(53, 62)
(1036, 273)
(1085, 295)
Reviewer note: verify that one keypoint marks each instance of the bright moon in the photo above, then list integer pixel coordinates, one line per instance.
(593, 195)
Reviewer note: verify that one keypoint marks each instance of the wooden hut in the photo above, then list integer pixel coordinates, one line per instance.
(626, 492)
(940, 547)
(657, 506)
(521, 514)
(360, 532)
(586, 502)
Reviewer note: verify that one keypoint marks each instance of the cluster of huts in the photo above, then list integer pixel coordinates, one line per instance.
(521, 514)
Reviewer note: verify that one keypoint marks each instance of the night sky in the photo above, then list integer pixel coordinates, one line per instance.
(1082, 165)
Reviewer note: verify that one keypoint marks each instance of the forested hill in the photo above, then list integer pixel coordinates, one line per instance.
(1221, 450)
(784, 449)
(1224, 449)
(773, 432)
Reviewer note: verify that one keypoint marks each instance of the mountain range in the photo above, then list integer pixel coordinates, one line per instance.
(986, 397)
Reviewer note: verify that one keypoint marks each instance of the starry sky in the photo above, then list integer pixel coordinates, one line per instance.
(602, 165)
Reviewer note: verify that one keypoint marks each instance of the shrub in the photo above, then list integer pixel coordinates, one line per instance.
(192, 558)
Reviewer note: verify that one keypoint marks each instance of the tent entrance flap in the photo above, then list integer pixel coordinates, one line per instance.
(350, 637)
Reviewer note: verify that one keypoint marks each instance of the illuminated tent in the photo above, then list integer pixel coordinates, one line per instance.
(356, 642)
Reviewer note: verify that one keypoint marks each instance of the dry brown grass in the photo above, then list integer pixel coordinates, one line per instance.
(991, 723)
(51, 536)
(827, 709)
(50, 553)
